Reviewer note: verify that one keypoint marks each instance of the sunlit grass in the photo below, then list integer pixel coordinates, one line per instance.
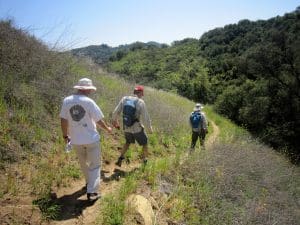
(239, 179)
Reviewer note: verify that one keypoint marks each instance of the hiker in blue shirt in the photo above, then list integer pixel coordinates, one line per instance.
(134, 112)
(199, 126)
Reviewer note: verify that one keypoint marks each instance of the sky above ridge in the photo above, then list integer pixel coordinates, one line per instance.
(78, 23)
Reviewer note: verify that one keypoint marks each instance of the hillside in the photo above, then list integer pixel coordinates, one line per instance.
(250, 71)
(33, 163)
(101, 54)
(236, 180)
(33, 79)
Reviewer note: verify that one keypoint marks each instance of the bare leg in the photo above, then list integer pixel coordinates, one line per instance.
(121, 158)
(124, 149)
(145, 152)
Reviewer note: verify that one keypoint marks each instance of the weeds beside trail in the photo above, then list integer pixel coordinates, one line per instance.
(237, 181)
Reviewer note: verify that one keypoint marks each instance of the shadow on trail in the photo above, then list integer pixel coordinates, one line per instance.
(70, 206)
(117, 174)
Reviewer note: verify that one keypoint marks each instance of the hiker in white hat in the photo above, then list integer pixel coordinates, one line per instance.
(80, 116)
(198, 124)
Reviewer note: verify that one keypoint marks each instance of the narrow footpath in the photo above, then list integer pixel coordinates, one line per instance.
(76, 210)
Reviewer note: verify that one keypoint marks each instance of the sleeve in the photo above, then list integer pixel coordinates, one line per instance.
(189, 118)
(145, 116)
(63, 111)
(117, 111)
(96, 112)
(204, 121)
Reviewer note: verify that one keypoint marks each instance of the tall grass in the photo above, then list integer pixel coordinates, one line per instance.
(169, 114)
(238, 181)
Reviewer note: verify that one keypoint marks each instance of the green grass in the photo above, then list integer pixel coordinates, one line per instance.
(113, 211)
(228, 130)
(113, 205)
(233, 181)
(238, 179)
(50, 210)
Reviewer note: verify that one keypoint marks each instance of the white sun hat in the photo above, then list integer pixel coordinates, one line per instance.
(85, 84)
(198, 107)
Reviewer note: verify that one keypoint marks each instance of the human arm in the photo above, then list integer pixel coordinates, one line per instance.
(64, 129)
(103, 125)
(190, 122)
(145, 117)
(204, 123)
(116, 113)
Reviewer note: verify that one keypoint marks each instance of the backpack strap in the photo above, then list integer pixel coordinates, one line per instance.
(135, 105)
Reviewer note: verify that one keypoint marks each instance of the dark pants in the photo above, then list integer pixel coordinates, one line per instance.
(201, 134)
(140, 137)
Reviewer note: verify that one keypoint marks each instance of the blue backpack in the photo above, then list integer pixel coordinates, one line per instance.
(129, 110)
(195, 119)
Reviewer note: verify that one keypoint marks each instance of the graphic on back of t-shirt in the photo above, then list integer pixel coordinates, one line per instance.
(77, 112)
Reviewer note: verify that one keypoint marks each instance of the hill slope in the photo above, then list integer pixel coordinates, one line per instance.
(238, 179)
(102, 53)
(249, 70)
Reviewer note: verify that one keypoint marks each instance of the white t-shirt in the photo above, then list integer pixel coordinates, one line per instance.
(82, 114)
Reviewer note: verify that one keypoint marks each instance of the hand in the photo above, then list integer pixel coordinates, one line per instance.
(67, 139)
(150, 130)
(109, 129)
(116, 124)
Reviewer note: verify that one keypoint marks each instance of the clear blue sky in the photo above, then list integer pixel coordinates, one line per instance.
(77, 23)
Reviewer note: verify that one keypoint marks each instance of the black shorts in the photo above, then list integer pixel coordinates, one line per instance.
(141, 138)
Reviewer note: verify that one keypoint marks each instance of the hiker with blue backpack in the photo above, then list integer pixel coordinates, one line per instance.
(199, 126)
(134, 112)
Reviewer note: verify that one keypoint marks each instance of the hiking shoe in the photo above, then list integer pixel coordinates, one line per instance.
(145, 161)
(84, 188)
(92, 196)
(119, 162)
(127, 160)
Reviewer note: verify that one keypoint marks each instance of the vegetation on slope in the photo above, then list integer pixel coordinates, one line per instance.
(33, 79)
(236, 182)
(249, 70)
(102, 53)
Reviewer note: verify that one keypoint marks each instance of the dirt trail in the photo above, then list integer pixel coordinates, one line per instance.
(75, 207)
(208, 143)
(76, 210)
(213, 137)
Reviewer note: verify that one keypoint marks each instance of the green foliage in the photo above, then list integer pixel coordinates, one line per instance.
(113, 207)
(249, 69)
(113, 210)
(238, 179)
(33, 78)
(253, 68)
(178, 68)
(101, 54)
(50, 210)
